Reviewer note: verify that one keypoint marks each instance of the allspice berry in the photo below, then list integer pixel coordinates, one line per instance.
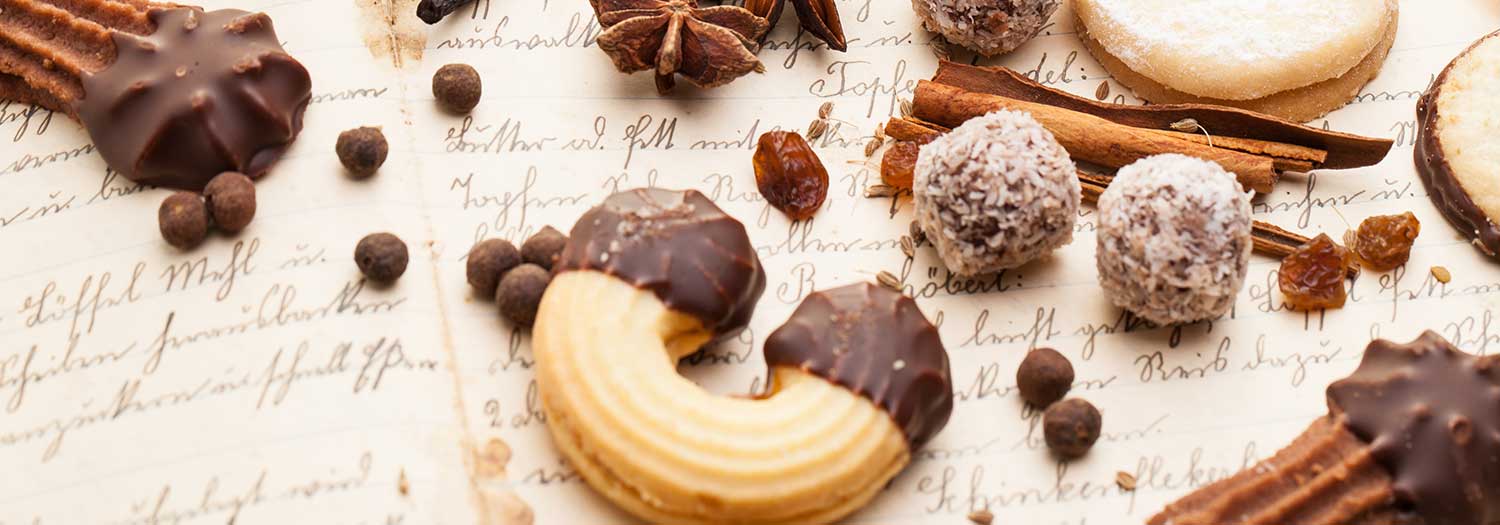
(520, 293)
(362, 150)
(488, 262)
(1071, 427)
(183, 220)
(230, 198)
(382, 257)
(1044, 377)
(544, 248)
(457, 87)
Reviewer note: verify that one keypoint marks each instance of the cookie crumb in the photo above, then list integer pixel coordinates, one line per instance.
(1125, 480)
(982, 517)
(402, 485)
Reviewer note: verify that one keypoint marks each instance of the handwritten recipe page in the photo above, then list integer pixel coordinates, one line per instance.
(259, 379)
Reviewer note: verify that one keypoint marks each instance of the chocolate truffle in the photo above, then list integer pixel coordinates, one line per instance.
(996, 193)
(1174, 239)
(987, 27)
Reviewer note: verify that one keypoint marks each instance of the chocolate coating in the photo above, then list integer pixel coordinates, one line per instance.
(677, 244)
(1437, 175)
(1431, 414)
(204, 94)
(875, 342)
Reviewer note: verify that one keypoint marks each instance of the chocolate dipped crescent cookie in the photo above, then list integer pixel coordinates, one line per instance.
(1411, 437)
(171, 95)
(1455, 126)
(858, 377)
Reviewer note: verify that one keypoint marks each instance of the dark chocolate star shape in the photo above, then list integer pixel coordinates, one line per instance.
(819, 17)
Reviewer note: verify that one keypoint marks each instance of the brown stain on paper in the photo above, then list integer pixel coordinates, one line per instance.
(391, 30)
(489, 465)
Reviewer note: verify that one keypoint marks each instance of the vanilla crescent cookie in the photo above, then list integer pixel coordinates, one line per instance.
(1297, 59)
(858, 377)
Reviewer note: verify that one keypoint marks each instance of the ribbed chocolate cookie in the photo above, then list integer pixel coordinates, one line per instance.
(172, 96)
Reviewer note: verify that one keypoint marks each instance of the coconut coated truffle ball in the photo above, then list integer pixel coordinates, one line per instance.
(987, 27)
(1174, 239)
(995, 193)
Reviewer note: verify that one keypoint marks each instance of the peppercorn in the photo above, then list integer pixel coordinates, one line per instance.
(230, 198)
(362, 150)
(457, 87)
(488, 262)
(1071, 427)
(544, 248)
(1044, 377)
(520, 293)
(381, 257)
(183, 219)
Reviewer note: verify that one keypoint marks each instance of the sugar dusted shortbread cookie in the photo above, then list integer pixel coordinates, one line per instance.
(1457, 155)
(1289, 58)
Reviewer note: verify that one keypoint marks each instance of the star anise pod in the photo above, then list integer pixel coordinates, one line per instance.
(710, 46)
(819, 17)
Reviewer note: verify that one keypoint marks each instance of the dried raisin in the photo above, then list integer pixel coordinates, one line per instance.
(1312, 277)
(1384, 242)
(789, 174)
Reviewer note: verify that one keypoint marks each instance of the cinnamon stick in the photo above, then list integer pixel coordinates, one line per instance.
(1343, 150)
(1285, 157)
(1087, 137)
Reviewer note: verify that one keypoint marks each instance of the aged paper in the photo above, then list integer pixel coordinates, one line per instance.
(257, 379)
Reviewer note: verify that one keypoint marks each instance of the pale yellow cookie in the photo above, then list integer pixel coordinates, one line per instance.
(1297, 105)
(1237, 50)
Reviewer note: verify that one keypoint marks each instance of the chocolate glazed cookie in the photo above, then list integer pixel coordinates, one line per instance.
(1411, 437)
(172, 96)
(1456, 118)
(858, 378)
